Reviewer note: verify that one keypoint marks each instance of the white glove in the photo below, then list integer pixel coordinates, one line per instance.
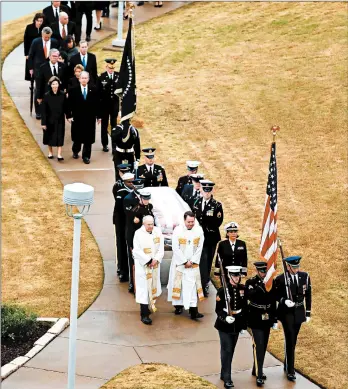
(136, 164)
(308, 319)
(230, 319)
(289, 303)
(241, 332)
(275, 326)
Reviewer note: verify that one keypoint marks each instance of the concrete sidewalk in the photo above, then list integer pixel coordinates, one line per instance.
(110, 334)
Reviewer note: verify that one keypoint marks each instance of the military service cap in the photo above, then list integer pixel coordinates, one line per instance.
(293, 261)
(261, 266)
(192, 165)
(124, 167)
(207, 185)
(149, 152)
(234, 270)
(233, 226)
(128, 177)
(111, 62)
(138, 184)
(145, 195)
(197, 177)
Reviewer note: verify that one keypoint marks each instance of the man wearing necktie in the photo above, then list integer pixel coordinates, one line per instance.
(63, 27)
(110, 104)
(192, 192)
(210, 215)
(294, 307)
(52, 12)
(151, 173)
(87, 60)
(84, 111)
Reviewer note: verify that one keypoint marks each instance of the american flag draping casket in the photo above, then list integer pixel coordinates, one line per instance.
(168, 208)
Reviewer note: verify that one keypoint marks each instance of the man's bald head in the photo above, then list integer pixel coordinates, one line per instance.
(63, 18)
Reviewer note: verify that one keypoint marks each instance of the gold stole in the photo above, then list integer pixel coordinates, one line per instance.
(152, 277)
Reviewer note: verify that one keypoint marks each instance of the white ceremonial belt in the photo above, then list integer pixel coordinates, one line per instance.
(124, 150)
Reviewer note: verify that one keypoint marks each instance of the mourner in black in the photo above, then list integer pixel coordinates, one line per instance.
(51, 12)
(231, 319)
(210, 215)
(192, 192)
(120, 190)
(84, 8)
(38, 55)
(125, 145)
(152, 174)
(32, 31)
(63, 27)
(130, 202)
(192, 167)
(294, 308)
(232, 251)
(261, 317)
(84, 112)
(87, 60)
(109, 101)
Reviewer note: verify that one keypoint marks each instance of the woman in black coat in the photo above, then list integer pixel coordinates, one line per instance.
(54, 107)
(74, 81)
(32, 31)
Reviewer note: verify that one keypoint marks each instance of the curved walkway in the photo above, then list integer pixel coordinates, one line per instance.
(110, 334)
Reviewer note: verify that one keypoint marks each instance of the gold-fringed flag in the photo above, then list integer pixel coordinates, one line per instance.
(269, 246)
(126, 86)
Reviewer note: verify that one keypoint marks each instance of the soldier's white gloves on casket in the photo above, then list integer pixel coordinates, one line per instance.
(230, 319)
(136, 165)
(275, 326)
(308, 319)
(289, 303)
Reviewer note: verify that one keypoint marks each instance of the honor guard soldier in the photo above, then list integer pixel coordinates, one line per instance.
(152, 174)
(122, 169)
(210, 215)
(294, 294)
(192, 192)
(109, 100)
(261, 316)
(120, 190)
(232, 251)
(143, 208)
(125, 145)
(192, 168)
(129, 203)
(231, 319)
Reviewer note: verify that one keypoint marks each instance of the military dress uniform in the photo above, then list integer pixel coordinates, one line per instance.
(210, 216)
(229, 255)
(109, 102)
(189, 194)
(192, 167)
(293, 317)
(228, 330)
(153, 175)
(261, 316)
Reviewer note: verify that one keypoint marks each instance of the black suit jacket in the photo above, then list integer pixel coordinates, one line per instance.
(157, 178)
(189, 195)
(238, 257)
(49, 15)
(91, 66)
(56, 31)
(46, 74)
(36, 54)
(184, 180)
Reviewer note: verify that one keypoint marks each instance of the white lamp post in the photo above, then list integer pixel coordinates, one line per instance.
(80, 196)
(119, 42)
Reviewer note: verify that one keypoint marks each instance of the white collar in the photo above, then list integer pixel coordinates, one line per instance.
(83, 87)
(149, 167)
(54, 9)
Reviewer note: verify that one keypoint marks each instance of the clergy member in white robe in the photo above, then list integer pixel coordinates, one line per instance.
(184, 276)
(148, 252)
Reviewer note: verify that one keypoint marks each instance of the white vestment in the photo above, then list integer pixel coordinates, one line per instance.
(187, 245)
(146, 247)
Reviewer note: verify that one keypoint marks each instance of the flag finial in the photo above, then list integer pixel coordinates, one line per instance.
(274, 130)
(131, 8)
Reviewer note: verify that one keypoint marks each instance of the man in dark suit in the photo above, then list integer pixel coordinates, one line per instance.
(152, 174)
(110, 103)
(295, 301)
(210, 215)
(84, 7)
(63, 27)
(84, 111)
(231, 251)
(192, 167)
(38, 55)
(191, 192)
(87, 60)
(51, 68)
(51, 12)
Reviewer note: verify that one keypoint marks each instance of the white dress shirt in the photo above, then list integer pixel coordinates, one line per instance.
(233, 245)
(149, 168)
(84, 56)
(48, 46)
(54, 11)
(204, 202)
(54, 66)
(293, 277)
(82, 89)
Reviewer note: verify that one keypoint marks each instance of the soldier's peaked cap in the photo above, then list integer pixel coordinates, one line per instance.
(207, 185)
(293, 261)
(128, 177)
(236, 270)
(124, 167)
(261, 265)
(192, 165)
(145, 195)
(149, 152)
(139, 184)
(110, 61)
(197, 177)
(233, 226)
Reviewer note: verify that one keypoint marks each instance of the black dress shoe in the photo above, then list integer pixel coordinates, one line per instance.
(291, 377)
(50, 157)
(131, 288)
(195, 314)
(105, 148)
(123, 278)
(88, 38)
(146, 320)
(259, 382)
(60, 159)
(38, 116)
(178, 310)
(140, 3)
(75, 156)
(98, 28)
(86, 161)
(229, 384)
(264, 377)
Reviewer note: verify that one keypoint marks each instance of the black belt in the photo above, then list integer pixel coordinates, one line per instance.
(260, 306)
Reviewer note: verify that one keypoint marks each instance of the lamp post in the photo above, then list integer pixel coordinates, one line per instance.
(80, 196)
(119, 42)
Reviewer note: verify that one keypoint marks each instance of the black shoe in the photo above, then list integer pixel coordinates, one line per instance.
(38, 116)
(195, 314)
(291, 377)
(105, 148)
(264, 377)
(131, 288)
(178, 310)
(146, 320)
(75, 156)
(259, 382)
(98, 28)
(140, 3)
(229, 384)
(88, 38)
(50, 156)
(60, 159)
(87, 161)
(123, 278)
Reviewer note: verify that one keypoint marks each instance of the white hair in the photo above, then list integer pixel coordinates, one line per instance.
(63, 14)
(85, 73)
(52, 51)
(148, 218)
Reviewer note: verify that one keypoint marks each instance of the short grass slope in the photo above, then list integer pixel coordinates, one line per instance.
(36, 247)
(157, 376)
(212, 78)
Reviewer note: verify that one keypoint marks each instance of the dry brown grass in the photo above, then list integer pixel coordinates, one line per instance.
(156, 376)
(36, 245)
(212, 78)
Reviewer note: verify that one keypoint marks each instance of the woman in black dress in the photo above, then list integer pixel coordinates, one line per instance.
(32, 31)
(74, 81)
(54, 107)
